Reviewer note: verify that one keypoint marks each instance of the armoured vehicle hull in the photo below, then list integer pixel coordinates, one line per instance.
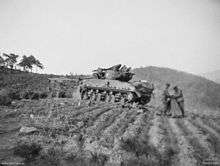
(109, 90)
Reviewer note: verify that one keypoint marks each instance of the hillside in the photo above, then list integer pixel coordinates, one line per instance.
(19, 84)
(214, 76)
(198, 91)
(64, 131)
(20, 81)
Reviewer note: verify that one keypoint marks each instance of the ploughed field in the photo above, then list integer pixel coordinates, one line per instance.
(62, 132)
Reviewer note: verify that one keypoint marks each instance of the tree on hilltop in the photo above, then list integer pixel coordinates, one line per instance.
(39, 64)
(10, 59)
(28, 62)
(25, 63)
(2, 61)
(35, 62)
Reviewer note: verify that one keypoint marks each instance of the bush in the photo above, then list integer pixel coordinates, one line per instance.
(62, 94)
(32, 95)
(139, 147)
(14, 94)
(5, 98)
(141, 161)
(98, 159)
(53, 155)
(27, 151)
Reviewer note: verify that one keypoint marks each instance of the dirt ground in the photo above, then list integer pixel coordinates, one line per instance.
(104, 134)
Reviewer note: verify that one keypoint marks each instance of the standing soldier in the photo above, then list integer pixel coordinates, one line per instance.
(178, 96)
(166, 100)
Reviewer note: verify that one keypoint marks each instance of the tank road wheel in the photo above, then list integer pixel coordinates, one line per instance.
(130, 97)
(107, 98)
(98, 98)
(112, 97)
(93, 96)
(122, 101)
(96, 93)
(81, 95)
(85, 95)
(134, 105)
(118, 97)
(103, 95)
(90, 93)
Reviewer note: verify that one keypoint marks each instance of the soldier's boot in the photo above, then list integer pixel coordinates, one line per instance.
(183, 114)
(181, 106)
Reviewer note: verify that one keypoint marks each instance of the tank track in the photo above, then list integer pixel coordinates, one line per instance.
(111, 96)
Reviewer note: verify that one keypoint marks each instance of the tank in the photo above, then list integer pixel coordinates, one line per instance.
(112, 85)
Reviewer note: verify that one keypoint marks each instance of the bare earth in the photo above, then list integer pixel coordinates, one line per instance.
(106, 134)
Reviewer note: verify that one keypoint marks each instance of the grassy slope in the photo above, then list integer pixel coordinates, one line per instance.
(21, 81)
(198, 91)
(214, 76)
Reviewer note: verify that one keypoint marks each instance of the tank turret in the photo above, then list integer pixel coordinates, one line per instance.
(114, 73)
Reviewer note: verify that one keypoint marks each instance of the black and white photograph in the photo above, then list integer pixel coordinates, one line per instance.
(109, 82)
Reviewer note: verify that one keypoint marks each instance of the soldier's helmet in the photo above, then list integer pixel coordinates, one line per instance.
(168, 84)
(175, 87)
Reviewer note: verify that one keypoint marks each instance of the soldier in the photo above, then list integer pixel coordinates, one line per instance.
(100, 73)
(178, 96)
(124, 68)
(166, 100)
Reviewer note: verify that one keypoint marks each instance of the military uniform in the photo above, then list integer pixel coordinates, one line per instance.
(178, 96)
(166, 101)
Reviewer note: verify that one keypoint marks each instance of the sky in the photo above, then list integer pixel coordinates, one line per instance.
(78, 36)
